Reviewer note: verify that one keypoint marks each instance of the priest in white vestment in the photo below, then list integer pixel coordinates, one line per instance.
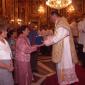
(63, 53)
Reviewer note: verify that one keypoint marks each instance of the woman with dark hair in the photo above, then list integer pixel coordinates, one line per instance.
(12, 37)
(6, 66)
(23, 51)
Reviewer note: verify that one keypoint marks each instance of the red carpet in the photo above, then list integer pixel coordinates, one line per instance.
(52, 80)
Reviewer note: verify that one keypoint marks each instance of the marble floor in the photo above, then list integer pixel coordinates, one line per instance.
(45, 68)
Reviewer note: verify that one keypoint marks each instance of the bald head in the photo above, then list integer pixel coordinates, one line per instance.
(54, 16)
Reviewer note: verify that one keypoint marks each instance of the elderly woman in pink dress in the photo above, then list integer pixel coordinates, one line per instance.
(6, 66)
(23, 51)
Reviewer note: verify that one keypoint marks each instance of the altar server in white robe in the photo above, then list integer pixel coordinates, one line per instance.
(83, 30)
(63, 52)
(81, 38)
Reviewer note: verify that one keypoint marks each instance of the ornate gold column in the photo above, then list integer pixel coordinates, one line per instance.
(27, 12)
(16, 8)
(4, 7)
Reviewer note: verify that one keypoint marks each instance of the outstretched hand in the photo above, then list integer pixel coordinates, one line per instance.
(10, 67)
(40, 45)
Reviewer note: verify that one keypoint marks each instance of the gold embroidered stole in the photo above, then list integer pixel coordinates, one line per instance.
(58, 47)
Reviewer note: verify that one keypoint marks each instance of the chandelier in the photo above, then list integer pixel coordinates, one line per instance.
(41, 9)
(58, 4)
(70, 9)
